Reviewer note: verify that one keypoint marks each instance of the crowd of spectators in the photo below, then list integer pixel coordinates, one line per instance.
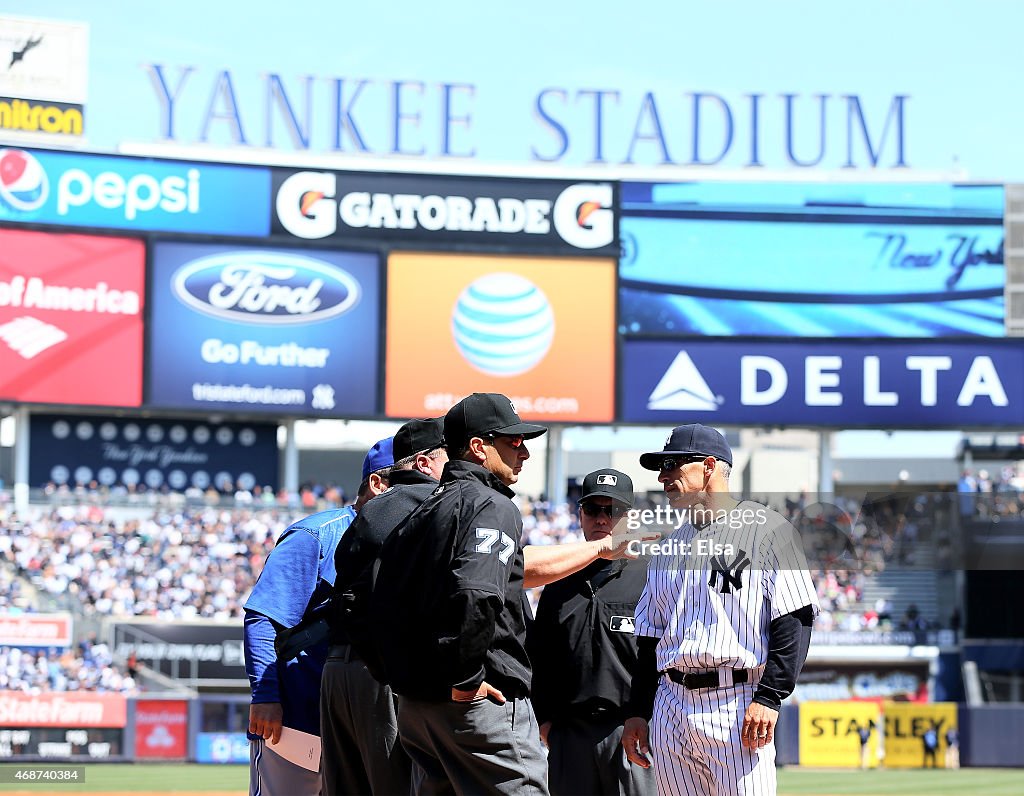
(174, 565)
(88, 667)
(200, 561)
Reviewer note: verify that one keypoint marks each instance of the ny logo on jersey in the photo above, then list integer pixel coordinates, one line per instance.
(731, 572)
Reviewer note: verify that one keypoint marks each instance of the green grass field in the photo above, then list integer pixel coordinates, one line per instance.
(184, 778)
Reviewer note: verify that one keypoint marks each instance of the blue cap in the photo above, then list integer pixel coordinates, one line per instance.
(693, 439)
(381, 455)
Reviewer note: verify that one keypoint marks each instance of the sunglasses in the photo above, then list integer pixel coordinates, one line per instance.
(667, 465)
(595, 510)
(512, 442)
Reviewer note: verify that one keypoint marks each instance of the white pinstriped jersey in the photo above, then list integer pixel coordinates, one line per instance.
(712, 609)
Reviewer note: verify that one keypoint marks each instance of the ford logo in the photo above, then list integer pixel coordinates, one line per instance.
(265, 287)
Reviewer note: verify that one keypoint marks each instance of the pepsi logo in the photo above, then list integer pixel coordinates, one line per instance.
(265, 288)
(23, 182)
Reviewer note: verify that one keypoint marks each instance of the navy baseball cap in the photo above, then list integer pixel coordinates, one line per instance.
(380, 456)
(419, 436)
(485, 413)
(692, 439)
(608, 483)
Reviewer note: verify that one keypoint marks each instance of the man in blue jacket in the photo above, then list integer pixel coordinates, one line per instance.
(296, 581)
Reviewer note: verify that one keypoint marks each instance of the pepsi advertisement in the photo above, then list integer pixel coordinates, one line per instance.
(132, 193)
(152, 454)
(264, 330)
(822, 260)
(826, 383)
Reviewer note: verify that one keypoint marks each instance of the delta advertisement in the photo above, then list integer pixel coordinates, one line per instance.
(828, 383)
(812, 260)
(71, 310)
(264, 330)
(103, 191)
(521, 214)
(152, 454)
(541, 331)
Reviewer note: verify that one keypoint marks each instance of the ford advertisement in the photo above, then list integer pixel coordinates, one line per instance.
(104, 191)
(274, 331)
(826, 383)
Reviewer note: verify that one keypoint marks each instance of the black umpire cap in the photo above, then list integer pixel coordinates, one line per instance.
(484, 414)
(419, 436)
(692, 439)
(608, 483)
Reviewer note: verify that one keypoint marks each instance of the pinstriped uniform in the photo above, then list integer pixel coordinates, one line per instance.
(705, 620)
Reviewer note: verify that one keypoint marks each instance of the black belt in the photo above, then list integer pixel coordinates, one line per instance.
(695, 680)
(594, 711)
(345, 652)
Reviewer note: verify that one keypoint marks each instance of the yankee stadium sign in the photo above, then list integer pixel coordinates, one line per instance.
(539, 214)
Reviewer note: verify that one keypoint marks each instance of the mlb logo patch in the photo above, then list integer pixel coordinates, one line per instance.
(622, 624)
(609, 480)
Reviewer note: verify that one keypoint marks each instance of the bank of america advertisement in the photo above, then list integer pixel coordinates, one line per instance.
(71, 309)
(812, 260)
(37, 186)
(828, 383)
(273, 330)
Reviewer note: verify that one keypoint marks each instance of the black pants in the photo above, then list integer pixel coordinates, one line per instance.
(586, 756)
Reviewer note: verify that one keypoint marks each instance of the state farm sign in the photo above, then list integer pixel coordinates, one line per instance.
(62, 710)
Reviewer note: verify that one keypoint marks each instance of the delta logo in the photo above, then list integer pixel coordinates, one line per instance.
(24, 186)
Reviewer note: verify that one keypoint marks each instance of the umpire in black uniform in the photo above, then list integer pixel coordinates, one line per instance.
(359, 727)
(583, 651)
(449, 598)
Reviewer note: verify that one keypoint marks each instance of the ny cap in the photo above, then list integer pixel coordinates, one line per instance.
(419, 436)
(484, 413)
(692, 439)
(380, 456)
(608, 483)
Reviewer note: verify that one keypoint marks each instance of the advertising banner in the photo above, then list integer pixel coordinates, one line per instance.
(519, 214)
(71, 309)
(68, 709)
(35, 630)
(906, 682)
(190, 651)
(45, 79)
(288, 92)
(903, 384)
(161, 728)
(133, 193)
(522, 326)
(277, 331)
(905, 728)
(222, 747)
(801, 260)
(67, 742)
(830, 735)
(68, 449)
